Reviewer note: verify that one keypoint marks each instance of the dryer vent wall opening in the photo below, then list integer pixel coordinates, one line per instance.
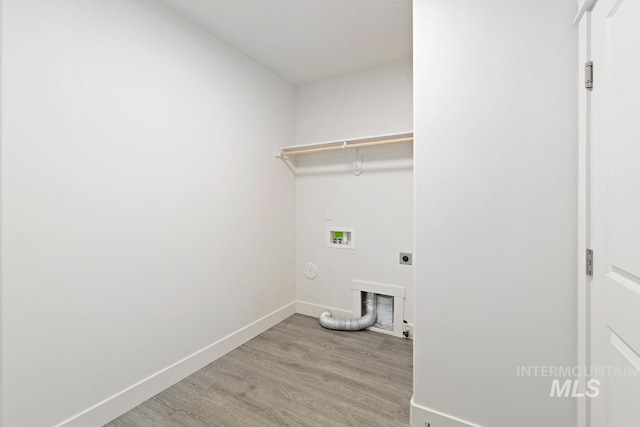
(390, 302)
(384, 311)
(364, 322)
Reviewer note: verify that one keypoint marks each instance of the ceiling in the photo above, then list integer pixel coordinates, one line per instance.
(308, 40)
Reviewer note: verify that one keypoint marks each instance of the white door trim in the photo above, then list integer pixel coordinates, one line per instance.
(584, 6)
(583, 20)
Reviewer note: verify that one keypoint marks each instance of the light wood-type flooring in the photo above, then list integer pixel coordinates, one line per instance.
(294, 374)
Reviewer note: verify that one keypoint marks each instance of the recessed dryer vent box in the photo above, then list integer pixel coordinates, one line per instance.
(341, 237)
(389, 305)
(384, 311)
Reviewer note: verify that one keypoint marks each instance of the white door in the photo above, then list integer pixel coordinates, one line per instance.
(615, 226)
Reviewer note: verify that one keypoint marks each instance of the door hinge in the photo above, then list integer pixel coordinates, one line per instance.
(589, 262)
(588, 74)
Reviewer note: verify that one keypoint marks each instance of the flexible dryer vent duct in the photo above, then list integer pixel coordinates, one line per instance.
(363, 322)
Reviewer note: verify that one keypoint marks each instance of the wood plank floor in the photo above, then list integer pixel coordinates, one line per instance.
(294, 374)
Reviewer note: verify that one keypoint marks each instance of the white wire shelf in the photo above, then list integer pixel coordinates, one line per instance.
(395, 138)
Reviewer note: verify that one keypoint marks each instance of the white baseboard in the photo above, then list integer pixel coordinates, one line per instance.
(134, 395)
(314, 310)
(422, 416)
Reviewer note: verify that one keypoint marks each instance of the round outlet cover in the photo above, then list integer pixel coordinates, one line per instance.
(310, 270)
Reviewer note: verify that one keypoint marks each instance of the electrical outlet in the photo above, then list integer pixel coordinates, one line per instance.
(407, 330)
(405, 258)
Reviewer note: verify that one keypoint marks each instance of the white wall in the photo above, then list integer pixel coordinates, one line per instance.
(373, 101)
(142, 208)
(495, 190)
(378, 203)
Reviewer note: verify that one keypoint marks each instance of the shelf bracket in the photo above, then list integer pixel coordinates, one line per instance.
(357, 162)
